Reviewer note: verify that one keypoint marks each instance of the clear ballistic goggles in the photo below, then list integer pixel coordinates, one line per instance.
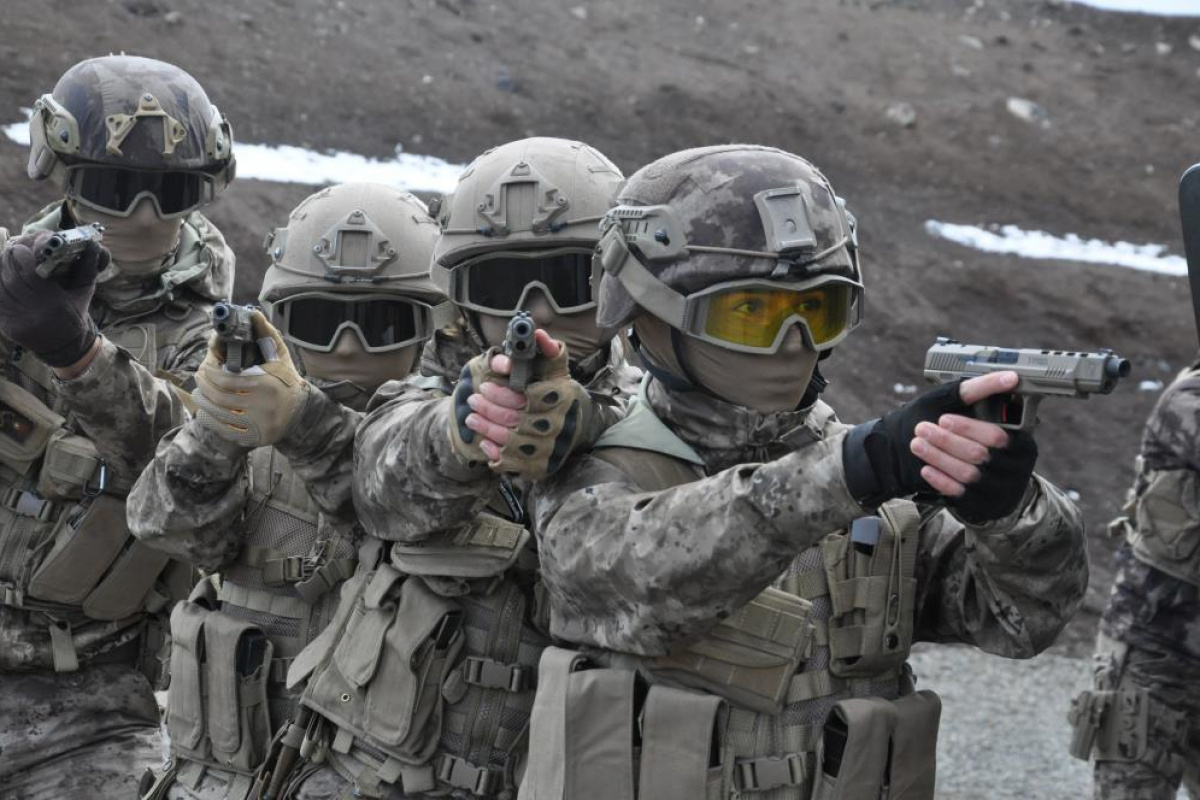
(116, 191)
(315, 320)
(499, 283)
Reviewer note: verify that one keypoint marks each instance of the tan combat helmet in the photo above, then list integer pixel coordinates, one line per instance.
(354, 243)
(538, 193)
(120, 127)
(700, 237)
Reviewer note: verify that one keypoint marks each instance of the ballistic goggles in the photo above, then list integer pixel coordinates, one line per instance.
(499, 283)
(751, 315)
(315, 320)
(116, 191)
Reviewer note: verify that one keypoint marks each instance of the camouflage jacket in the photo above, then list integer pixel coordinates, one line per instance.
(192, 499)
(123, 402)
(636, 571)
(402, 455)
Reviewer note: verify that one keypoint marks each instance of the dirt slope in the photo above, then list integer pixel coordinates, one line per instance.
(453, 77)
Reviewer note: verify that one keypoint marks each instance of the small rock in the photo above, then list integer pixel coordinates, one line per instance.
(995, 141)
(1162, 48)
(1073, 495)
(1194, 41)
(1149, 169)
(579, 12)
(504, 81)
(1150, 386)
(750, 49)
(974, 42)
(903, 114)
(1028, 111)
(904, 388)
(426, 79)
(173, 17)
(701, 21)
(1001, 40)
(416, 138)
(1129, 48)
(959, 71)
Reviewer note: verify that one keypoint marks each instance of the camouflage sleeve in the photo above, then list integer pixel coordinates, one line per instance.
(1171, 439)
(319, 446)
(408, 482)
(124, 409)
(189, 498)
(635, 571)
(1008, 587)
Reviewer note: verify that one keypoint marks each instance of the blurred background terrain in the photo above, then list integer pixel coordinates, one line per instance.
(1051, 116)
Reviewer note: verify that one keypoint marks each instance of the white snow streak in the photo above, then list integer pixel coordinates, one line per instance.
(1037, 244)
(1165, 8)
(287, 164)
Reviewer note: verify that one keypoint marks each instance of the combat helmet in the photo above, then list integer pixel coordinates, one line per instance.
(731, 244)
(524, 214)
(118, 128)
(354, 255)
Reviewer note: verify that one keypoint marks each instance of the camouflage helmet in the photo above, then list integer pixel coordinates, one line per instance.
(133, 113)
(356, 238)
(710, 216)
(528, 194)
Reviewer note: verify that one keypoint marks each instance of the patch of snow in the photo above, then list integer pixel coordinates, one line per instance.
(1150, 386)
(1073, 495)
(904, 388)
(288, 164)
(1038, 244)
(1165, 8)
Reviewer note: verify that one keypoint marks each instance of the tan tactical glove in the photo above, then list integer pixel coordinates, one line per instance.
(556, 419)
(253, 407)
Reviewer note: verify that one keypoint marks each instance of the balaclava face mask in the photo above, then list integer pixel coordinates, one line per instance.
(350, 374)
(579, 331)
(140, 243)
(766, 383)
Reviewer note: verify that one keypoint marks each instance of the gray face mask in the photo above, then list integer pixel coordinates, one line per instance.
(761, 382)
(349, 363)
(579, 331)
(140, 243)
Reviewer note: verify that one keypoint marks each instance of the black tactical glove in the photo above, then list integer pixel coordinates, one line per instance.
(880, 466)
(48, 317)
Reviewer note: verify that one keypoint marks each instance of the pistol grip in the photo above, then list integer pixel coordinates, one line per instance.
(1014, 412)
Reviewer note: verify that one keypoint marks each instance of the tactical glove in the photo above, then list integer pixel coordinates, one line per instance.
(880, 466)
(254, 407)
(555, 421)
(48, 316)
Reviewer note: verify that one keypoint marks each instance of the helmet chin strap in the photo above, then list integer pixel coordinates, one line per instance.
(690, 383)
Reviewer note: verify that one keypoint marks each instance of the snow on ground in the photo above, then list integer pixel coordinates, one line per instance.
(287, 164)
(1166, 8)
(1037, 244)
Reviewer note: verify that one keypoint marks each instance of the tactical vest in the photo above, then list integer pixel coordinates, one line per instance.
(748, 710)
(66, 554)
(425, 678)
(236, 637)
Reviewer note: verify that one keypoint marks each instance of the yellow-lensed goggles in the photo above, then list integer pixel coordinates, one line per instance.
(754, 316)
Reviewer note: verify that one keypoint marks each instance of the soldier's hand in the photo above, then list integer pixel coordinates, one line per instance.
(256, 406)
(527, 434)
(48, 316)
(934, 445)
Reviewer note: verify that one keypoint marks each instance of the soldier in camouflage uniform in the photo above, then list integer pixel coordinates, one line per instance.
(743, 571)
(96, 364)
(457, 587)
(1140, 723)
(270, 510)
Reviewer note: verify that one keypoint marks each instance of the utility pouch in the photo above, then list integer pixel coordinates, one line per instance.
(26, 425)
(1167, 520)
(185, 699)
(750, 658)
(318, 652)
(237, 668)
(678, 758)
(1115, 723)
(87, 540)
(70, 464)
(487, 547)
(582, 732)
(914, 746)
(854, 760)
(870, 571)
(383, 681)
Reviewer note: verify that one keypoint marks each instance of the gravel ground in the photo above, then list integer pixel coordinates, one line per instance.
(1004, 724)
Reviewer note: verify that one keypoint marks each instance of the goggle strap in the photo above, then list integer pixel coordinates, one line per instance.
(651, 294)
